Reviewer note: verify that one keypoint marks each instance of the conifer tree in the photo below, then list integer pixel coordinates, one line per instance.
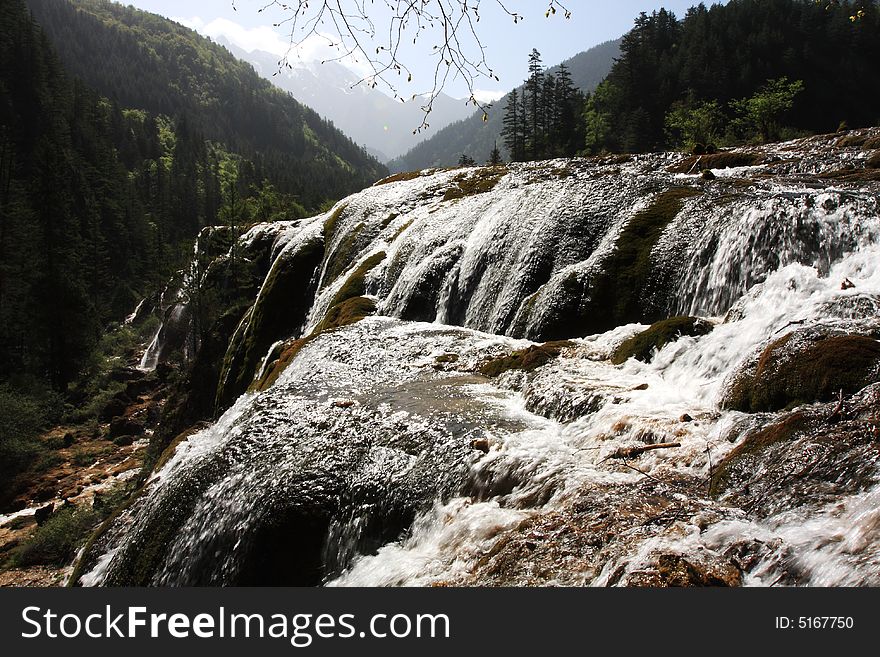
(495, 157)
(512, 132)
(535, 91)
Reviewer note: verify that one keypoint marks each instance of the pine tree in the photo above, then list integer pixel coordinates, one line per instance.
(495, 157)
(512, 133)
(535, 88)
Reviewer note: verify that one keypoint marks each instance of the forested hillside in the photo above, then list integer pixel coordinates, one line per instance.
(673, 74)
(141, 60)
(121, 136)
(79, 227)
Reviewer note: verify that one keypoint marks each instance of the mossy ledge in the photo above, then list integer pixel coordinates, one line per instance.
(348, 307)
(783, 377)
(355, 285)
(279, 311)
(617, 293)
(332, 220)
(346, 313)
(479, 181)
(642, 345)
(399, 177)
(526, 360)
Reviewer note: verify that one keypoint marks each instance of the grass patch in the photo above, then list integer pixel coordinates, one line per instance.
(398, 177)
(25, 411)
(642, 346)
(479, 181)
(526, 360)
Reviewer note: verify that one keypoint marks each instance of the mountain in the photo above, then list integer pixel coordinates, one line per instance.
(141, 60)
(381, 124)
(475, 137)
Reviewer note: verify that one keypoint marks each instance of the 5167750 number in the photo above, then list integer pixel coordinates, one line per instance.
(814, 623)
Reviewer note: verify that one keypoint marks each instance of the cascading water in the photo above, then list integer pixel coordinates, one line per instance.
(381, 455)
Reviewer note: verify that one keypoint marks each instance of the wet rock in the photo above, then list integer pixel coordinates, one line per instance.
(278, 312)
(708, 175)
(481, 445)
(42, 514)
(114, 408)
(685, 418)
(45, 493)
(126, 426)
(597, 529)
(643, 345)
(804, 366)
(627, 288)
(803, 458)
(526, 360)
(674, 570)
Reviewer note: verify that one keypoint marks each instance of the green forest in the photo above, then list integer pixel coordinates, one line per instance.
(746, 71)
(121, 136)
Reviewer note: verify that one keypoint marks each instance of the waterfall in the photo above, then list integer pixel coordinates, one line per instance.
(384, 455)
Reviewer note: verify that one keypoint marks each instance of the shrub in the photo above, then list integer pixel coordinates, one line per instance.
(55, 543)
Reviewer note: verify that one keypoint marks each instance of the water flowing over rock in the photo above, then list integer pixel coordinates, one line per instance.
(435, 443)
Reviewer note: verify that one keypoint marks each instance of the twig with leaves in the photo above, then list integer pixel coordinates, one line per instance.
(350, 28)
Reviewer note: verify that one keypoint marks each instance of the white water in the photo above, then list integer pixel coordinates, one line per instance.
(774, 258)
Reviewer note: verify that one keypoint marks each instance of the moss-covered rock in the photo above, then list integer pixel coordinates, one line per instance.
(476, 182)
(279, 311)
(356, 285)
(526, 360)
(643, 345)
(804, 367)
(331, 222)
(812, 456)
(753, 446)
(619, 292)
(346, 313)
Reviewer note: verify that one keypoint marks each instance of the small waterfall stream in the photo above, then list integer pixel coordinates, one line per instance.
(381, 456)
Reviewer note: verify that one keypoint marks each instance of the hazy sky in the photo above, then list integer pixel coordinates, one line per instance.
(507, 45)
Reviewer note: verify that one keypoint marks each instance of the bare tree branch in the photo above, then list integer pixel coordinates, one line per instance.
(374, 32)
